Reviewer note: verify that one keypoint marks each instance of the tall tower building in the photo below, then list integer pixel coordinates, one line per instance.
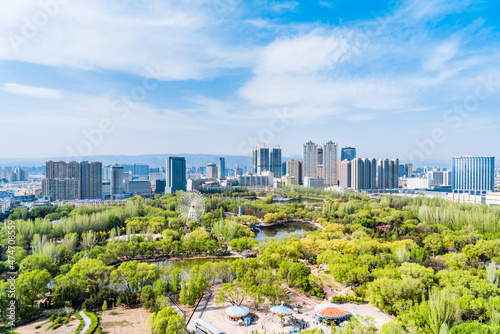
(263, 160)
(310, 154)
(363, 174)
(294, 170)
(275, 162)
(254, 160)
(116, 182)
(474, 175)
(90, 180)
(176, 174)
(211, 171)
(345, 174)
(222, 168)
(388, 174)
(347, 153)
(330, 163)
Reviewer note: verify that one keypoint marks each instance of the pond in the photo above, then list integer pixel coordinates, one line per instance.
(263, 233)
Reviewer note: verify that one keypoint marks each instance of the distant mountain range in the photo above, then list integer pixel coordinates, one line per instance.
(158, 160)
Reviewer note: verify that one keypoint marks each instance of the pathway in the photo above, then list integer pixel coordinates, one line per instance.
(329, 292)
(176, 307)
(198, 313)
(87, 321)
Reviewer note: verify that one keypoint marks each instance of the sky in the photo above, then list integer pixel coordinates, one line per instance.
(409, 79)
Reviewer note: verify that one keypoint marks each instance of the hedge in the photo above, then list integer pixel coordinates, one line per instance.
(95, 322)
(82, 323)
(348, 299)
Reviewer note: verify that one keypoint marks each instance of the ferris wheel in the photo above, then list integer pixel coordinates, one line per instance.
(191, 205)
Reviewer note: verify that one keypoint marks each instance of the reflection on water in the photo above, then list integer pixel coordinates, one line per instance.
(263, 233)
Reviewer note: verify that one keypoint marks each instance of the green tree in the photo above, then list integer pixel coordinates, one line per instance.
(105, 306)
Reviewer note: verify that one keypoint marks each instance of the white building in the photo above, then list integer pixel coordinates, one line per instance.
(314, 182)
(265, 180)
(6, 203)
(330, 173)
(493, 198)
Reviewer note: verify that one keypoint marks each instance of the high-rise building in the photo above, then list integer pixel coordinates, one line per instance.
(388, 174)
(363, 174)
(176, 174)
(310, 155)
(90, 180)
(347, 153)
(116, 182)
(294, 170)
(211, 171)
(238, 172)
(474, 175)
(405, 170)
(262, 160)
(320, 155)
(345, 174)
(68, 181)
(106, 173)
(222, 168)
(275, 161)
(254, 160)
(330, 163)
(20, 174)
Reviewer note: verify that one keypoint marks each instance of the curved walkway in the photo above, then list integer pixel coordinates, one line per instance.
(87, 321)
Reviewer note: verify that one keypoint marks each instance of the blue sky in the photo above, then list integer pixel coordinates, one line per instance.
(418, 80)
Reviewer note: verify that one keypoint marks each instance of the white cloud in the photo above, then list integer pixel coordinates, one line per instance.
(286, 6)
(309, 53)
(326, 4)
(184, 39)
(45, 93)
(440, 55)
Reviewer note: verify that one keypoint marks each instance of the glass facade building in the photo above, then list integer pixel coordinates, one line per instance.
(176, 174)
(347, 153)
(475, 175)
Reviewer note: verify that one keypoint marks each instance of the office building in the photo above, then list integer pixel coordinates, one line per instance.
(473, 175)
(330, 164)
(238, 172)
(347, 153)
(138, 187)
(314, 182)
(275, 162)
(117, 180)
(294, 170)
(106, 173)
(160, 186)
(388, 174)
(222, 168)
(211, 171)
(363, 174)
(345, 174)
(176, 174)
(310, 159)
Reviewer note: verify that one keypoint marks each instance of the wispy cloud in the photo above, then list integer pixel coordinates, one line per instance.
(39, 92)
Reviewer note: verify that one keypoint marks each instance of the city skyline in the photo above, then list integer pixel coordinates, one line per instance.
(425, 73)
